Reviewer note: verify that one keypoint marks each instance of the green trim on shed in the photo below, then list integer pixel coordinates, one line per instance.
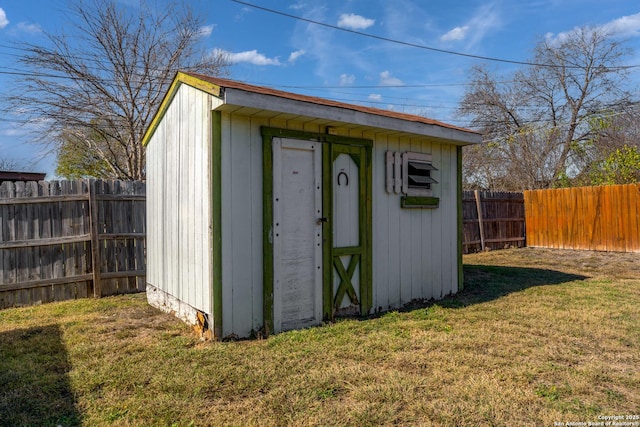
(327, 235)
(459, 210)
(419, 202)
(216, 219)
(267, 229)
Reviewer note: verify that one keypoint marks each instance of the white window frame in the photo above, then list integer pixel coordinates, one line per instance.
(397, 173)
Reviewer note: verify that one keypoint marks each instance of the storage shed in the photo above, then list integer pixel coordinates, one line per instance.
(269, 211)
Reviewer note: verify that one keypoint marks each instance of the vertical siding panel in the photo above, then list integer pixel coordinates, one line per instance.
(393, 262)
(190, 185)
(170, 202)
(449, 219)
(440, 218)
(204, 197)
(256, 226)
(197, 194)
(161, 230)
(240, 199)
(195, 180)
(155, 214)
(406, 260)
(415, 240)
(182, 191)
(227, 246)
(381, 226)
(427, 229)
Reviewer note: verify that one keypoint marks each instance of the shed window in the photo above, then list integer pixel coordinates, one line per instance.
(419, 174)
(417, 171)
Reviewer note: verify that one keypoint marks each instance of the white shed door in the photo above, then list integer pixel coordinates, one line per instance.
(297, 233)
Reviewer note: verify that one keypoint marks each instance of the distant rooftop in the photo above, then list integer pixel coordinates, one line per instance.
(21, 176)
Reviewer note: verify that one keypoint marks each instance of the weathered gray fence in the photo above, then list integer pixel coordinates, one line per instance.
(62, 240)
(492, 220)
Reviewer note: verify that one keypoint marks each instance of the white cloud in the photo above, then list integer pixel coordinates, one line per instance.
(293, 57)
(29, 28)
(13, 132)
(205, 31)
(484, 20)
(347, 79)
(3, 19)
(297, 6)
(375, 97)
(387, 80)
(355, 22)
(456, 34)
(250, 56)
(626, 26)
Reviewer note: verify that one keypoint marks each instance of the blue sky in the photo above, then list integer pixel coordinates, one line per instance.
(292, 54)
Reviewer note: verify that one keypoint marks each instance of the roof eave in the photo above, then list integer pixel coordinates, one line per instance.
(241, 98)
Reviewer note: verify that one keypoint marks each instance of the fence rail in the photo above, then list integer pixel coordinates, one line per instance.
(603, 218)
(492, 220)
(70, 239)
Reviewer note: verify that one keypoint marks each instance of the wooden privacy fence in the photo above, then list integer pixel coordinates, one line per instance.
(70, 239)
(604, 218)
(492, 220)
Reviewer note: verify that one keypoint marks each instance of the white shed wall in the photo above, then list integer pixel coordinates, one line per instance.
(241, 225)
(414, 250)
(179, 251)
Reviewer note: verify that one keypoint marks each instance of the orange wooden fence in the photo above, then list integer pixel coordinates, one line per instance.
(604, 218)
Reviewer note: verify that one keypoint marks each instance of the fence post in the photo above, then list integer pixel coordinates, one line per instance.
(95, 245)
(476, 193)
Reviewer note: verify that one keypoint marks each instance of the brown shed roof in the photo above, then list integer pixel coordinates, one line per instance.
(226, 83)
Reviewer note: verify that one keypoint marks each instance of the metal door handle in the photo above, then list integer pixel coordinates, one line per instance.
(321, 220)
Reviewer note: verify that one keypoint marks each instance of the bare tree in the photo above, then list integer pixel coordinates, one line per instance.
(8, 164)
(96, 86)
(536, 124)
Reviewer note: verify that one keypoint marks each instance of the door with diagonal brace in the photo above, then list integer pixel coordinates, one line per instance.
(347, 207)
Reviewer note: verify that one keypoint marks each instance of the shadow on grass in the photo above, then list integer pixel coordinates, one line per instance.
(34, 383)
(484, 283)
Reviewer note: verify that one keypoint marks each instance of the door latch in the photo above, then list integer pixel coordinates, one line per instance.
(321, 220)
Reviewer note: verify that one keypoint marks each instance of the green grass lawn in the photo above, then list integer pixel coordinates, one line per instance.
(537, 337)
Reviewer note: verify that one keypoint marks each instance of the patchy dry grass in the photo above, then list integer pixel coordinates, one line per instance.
(537, 337)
